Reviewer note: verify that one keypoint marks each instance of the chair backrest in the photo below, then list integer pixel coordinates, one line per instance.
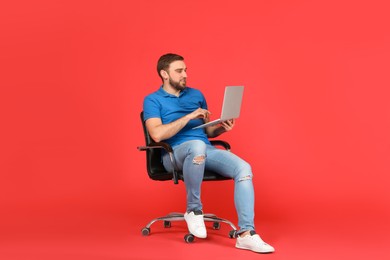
(154, 165)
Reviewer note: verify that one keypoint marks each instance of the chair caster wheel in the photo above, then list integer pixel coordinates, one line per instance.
(216, 225)
(167, 224)
(145, 231)
(233, 233)
(189, 238)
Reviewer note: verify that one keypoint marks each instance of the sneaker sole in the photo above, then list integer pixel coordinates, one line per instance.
(261, 252)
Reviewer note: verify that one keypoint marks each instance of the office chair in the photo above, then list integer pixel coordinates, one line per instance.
(157, 172)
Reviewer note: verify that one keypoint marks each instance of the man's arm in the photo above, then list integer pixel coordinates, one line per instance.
(216, 130)
(159, 131)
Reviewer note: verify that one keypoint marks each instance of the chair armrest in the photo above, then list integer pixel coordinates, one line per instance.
(224, 144)
(169, 150)
(163, 145)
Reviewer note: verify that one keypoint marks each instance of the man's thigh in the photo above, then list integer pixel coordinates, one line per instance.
(223, 162)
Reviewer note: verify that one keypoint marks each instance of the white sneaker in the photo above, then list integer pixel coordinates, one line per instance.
(195, 223)
(254, 242)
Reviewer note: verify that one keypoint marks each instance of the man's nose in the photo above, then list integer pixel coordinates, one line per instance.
(184, 74)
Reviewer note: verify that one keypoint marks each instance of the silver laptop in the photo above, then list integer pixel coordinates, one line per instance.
(231, 106)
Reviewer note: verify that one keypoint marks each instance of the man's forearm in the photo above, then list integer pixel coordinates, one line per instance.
(214, 131)
(166, 131)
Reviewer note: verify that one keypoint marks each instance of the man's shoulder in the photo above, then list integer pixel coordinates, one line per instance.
(194, 91)
(154, 95)
(152, 105)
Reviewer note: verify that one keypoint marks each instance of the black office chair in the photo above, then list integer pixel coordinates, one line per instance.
(157, 172)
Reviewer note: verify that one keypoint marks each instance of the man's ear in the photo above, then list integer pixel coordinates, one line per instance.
(164, 74)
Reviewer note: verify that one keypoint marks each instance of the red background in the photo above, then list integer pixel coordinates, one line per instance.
(315, 124)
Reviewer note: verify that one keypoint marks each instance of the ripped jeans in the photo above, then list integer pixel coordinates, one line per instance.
(193, 157)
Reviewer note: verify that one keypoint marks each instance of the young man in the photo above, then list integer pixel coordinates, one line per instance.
(170, 114)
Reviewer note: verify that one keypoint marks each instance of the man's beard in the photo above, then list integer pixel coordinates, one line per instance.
(178, 85)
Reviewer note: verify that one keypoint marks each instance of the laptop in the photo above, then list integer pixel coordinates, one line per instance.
(231, 106)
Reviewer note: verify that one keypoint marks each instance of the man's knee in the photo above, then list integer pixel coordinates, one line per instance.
(245, 173)
(245, 178)
(198, 160)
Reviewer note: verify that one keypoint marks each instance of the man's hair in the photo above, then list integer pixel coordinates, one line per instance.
(166, 60)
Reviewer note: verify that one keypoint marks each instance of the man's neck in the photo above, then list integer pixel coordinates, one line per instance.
(171, 90)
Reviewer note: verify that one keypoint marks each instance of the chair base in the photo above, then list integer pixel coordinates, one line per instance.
(180, 217)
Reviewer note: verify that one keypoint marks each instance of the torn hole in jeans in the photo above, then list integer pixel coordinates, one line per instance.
(245, 178)
(198, 160)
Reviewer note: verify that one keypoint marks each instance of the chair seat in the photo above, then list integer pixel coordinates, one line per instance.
(208, 176)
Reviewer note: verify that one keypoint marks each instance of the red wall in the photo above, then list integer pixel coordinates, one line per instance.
(315, 119)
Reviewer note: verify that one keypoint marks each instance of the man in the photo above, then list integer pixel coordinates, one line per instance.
(170, 114)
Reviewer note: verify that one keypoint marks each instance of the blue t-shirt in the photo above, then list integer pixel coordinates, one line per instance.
(169, 108)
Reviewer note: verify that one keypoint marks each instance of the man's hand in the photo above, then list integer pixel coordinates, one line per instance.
(216, 130)
(228, 124)
(200, 113)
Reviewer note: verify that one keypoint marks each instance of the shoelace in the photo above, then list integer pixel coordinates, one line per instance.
(257, 239)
